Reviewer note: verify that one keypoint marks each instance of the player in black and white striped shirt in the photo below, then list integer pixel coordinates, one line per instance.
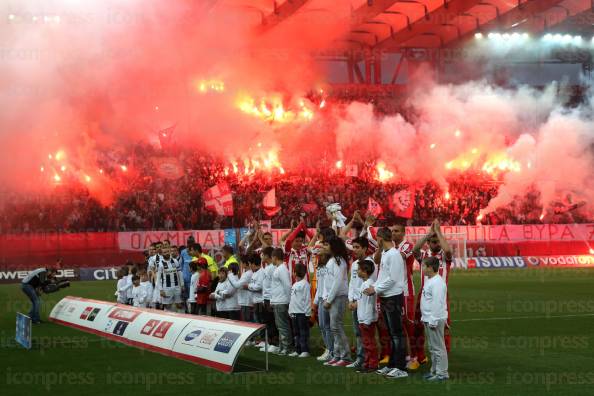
(169, 281)
(153, 262)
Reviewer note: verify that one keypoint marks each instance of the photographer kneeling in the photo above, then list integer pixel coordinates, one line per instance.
(36, 282)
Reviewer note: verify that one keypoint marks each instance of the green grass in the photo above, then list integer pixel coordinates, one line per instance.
(550, 352)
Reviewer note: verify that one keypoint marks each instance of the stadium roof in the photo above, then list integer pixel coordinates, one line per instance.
(390, 25)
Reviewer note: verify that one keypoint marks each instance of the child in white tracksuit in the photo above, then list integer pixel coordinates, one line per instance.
(323, 313)
(246, 304)
(123, 286)
(192, 288)
(434, 315)
(255, 295)
(279, 300)
(148, 287)
(367, 316)
(300, 311)
(140, 297)
(226, 297)
(131, 274)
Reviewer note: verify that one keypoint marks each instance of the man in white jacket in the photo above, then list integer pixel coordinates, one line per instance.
(268, 314)
(434, 314)
(279, 300)
(391, 281)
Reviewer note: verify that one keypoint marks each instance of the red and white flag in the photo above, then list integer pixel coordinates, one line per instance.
(166, 137)
(374, 207)
(402, 203)
(219, 199)
(269, 203)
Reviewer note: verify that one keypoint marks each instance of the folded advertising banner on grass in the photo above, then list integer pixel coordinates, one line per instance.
(203, 340)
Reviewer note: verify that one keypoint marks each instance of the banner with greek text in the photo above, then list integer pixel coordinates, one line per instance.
(517, 233)
(141, 240)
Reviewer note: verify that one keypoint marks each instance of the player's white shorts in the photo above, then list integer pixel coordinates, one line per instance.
(172, 296)
(156, 297)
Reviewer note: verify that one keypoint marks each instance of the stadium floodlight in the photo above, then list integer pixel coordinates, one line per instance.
(525, 36)
(563, 38)
(478, 36)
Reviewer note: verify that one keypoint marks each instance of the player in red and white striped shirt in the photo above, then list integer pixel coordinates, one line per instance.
(295, 250)
(408, 319)
(438, 247)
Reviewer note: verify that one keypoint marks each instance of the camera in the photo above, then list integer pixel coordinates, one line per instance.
(55, 285)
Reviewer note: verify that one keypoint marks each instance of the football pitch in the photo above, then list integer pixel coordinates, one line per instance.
(514, 332)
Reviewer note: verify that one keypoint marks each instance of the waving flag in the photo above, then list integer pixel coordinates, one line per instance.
(269, 203)
(402, 203)
(219, 199)
(374, 207)
(165, 137)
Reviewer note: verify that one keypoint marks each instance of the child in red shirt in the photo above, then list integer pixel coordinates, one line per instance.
(203, 287)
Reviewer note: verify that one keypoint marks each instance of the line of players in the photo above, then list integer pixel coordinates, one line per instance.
(266, 291)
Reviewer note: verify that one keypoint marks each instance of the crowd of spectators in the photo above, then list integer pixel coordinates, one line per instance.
(143, 200)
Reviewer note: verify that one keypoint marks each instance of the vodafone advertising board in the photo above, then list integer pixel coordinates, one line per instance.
(203, 340)
(584, 261)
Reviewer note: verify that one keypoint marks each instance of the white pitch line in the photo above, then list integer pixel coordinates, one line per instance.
(524, 317)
